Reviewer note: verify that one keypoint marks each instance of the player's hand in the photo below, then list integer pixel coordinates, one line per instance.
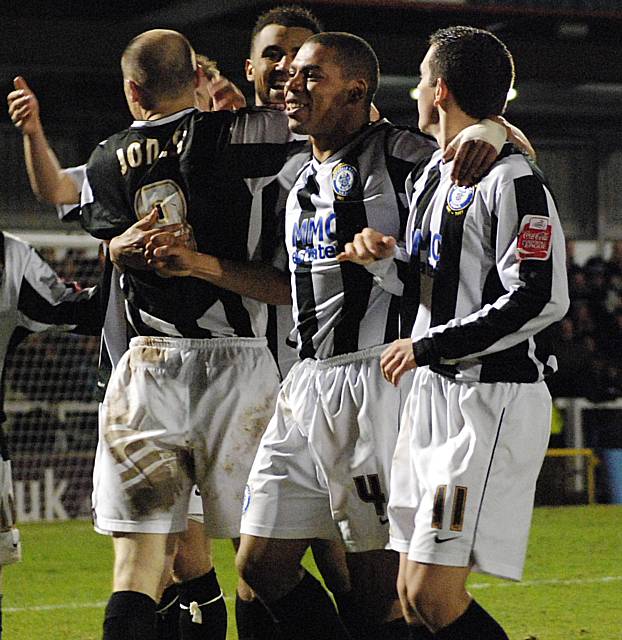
(471, 160)
(225, 95)
(127, 249)
(24, 107)
(516, 136)
(474, 150)
(367, 246)
(397, 359)
(168, 255)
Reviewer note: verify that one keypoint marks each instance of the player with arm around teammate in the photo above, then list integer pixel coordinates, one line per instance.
(197, 386)
(488, 271)
(193, 564)
(322, 467)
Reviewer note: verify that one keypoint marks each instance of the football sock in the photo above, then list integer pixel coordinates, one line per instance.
(474, 624)
(167, 618)
(361, 627)
(307, 613)
(203, 613)
(130, 616)
(0, 616)
(420, 632)
(253, 620)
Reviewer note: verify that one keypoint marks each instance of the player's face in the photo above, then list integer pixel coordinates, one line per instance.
(274, 48)
(316, 94)
(428, 113)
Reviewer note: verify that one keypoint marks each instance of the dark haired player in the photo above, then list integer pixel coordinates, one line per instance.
(489, 279)
(322, 467)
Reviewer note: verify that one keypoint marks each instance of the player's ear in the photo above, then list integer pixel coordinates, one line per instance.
(135, 91)
(441, 92)
(357, 91)
(249, 70)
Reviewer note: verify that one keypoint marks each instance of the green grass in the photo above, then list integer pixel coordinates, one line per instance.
(572, 587)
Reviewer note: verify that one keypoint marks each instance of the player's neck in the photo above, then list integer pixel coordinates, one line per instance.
(165, 109)
(451, 123)
(324, 146)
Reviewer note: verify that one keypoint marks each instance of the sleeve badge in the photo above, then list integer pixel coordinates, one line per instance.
(534, 238)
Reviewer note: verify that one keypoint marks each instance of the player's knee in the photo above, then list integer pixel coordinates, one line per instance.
(430, 605)
(252, 569)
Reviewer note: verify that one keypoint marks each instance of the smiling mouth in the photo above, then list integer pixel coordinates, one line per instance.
(292, 106)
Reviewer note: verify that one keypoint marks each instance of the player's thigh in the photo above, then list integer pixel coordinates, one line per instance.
(330, 559)
(140, 560)
(436, 593)
(261, 560)
(194, 553)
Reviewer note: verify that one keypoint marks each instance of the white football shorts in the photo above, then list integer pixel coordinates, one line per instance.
(464, 472)
(179, 412)
(322, 468)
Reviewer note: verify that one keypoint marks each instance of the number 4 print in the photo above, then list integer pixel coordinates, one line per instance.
(368, 489)
(457, 508)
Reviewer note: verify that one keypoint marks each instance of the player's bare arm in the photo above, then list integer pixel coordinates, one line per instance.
(397, 359)
(255, 280)
(474, 150)
(473, 155)
(47, 180)
(368, 246)
(517, 137)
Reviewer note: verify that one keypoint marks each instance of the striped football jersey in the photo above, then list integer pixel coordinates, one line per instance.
(201, 169)
(342, 307)
(488, 269)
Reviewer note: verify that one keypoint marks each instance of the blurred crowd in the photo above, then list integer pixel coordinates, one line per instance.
(590, 336)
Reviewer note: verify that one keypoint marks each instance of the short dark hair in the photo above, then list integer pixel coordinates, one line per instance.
(162, 62)
(354, 55)
(477, 67)
(287, 16)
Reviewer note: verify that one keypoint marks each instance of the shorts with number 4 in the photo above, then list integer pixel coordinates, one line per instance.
(464, 472)
(322, 468)
(179, 412)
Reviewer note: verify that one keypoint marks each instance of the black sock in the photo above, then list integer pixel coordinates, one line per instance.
(420, 632)
(203, 613)
(0, 616)
(130, 616)
(474, 624)
(361, 627)
(167, 618)
(307, 613)
(253, 620)
(397, 630)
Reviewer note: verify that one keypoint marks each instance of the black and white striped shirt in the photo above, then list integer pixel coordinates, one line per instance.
(342, 307)
(34, 299)
(200, 168)
(488, 267)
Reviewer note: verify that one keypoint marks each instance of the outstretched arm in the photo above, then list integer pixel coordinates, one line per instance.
(47, 180)
(255, 280)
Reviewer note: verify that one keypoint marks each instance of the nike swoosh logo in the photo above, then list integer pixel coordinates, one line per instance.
(441, 540)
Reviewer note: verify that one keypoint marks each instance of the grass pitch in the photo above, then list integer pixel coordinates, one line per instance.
(572, 587)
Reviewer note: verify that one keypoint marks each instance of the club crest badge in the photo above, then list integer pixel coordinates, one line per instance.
(344, 178)
(459, 199)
